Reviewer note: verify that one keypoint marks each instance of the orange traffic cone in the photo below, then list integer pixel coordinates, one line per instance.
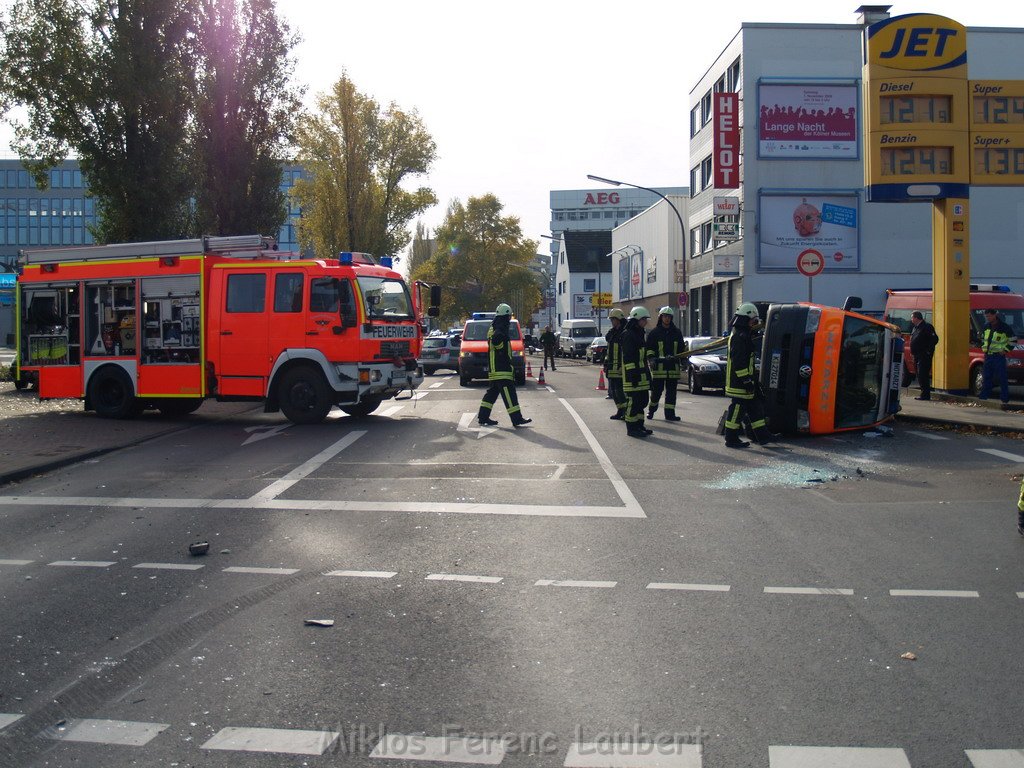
(529, 370)
(600, 381)
(540, 378)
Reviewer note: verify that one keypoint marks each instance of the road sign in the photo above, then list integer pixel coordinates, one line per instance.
(810, 262)
(683, 298)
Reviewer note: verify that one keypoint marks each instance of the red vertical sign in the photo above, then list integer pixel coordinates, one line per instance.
(726, 141)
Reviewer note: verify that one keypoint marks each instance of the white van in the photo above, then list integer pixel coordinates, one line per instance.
(575, 336)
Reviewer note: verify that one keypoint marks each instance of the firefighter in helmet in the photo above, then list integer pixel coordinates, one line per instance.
(635, 381)
(741, 381)
(664, 342)
(499, 371)
(613, 363)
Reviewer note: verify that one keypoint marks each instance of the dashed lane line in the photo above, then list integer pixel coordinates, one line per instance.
(572, 583)
(1003, 454)
(387, 414)
(169, 566)
(617, 754)
(689, 587)
(806, 591)
(7, 718)
(276, 740)
(83, 563)
(926, 435)
(124, 733)
(464, 577)
(440, 749)
(16, 562)
(364, 574)
(1020, 595)
(837, 757)
(933, 593)
(268, 571)
(996, 758)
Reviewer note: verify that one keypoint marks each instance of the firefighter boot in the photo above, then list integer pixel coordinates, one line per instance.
(521, 422)
(732, 439)
(636, 430)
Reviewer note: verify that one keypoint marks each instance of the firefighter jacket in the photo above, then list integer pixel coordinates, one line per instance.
(740, 368)
(997, 339)
(613, 355)
(634, 358)
(665, 343)
(499, 350)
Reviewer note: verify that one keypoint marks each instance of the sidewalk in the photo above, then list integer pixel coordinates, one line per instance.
(960, 411)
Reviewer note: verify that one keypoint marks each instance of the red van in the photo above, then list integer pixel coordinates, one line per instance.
(900, 304)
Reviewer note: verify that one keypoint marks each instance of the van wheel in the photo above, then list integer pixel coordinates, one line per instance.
(303, 396)
(977, 378)
(364, 408)
(176, 408)
(111, 394)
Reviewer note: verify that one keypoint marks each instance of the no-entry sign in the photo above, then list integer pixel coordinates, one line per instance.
(810, 262)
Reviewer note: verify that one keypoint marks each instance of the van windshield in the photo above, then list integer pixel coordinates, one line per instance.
(584, 332)
(1012, 317)
(476, 330)
(861, 366)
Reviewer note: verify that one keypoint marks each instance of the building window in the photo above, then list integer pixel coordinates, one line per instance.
(589, 285)
(695, 122)
(695, 181)
(734, 76)
(720, 85)
(609, 214)
(705, 109)
(706, 176)
(559, 216)
(695, 249)
(705, 236)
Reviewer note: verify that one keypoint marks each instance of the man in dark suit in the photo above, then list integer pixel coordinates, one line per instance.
(922, 346)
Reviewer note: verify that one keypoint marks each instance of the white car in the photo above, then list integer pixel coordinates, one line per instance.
(597, 350)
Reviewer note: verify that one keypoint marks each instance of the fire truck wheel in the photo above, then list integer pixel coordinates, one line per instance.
(111, 394)
(364, 408)
(304, 397)
(175, 408)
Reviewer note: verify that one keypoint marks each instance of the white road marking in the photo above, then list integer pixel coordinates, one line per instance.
(806, 591)
(438, 384)
(616, 754)
(996, 758)
(121, 732)
(549, 389)
(271, 571)
(258, 433)
(8, 719)
(1003, 454)
(419, 395)
(558, 472)
(933, 593)
(391, 411)
(279, 740)
(837, 757)
(464, 426)
(83, 563)
(461, 577)
(925, 435)
(571, 583)
(364, 574)
(305, 469)
(1020, 595)
(628, 499)
(169, 566)
(689, 587)
(442, 749)
(16, 562)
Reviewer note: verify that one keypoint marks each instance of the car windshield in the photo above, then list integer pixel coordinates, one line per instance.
(586, 332)
(386, 298)
(861, 366)
(476, 330)
(435, 342)
(1012, 317)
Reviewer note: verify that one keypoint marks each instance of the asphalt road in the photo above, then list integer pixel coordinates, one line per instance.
(561, 586)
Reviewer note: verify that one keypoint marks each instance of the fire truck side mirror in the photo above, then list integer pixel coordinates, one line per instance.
(433, 311)
(435, 297)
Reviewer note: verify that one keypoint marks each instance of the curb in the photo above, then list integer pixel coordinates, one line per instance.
(995, 428)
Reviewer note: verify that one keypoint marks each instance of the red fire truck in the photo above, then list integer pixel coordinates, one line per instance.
(167, 324)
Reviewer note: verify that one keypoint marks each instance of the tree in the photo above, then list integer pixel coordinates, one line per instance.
(245, 108)
(481, 261)
(421, 249)
(357, 157)
(111, 81)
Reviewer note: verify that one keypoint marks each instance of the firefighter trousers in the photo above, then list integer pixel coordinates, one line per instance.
(744, 409)
(617, 395)
(636, 401)
(670, 386)
(507, 389)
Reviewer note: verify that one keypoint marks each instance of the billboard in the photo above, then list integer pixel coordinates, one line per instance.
(792, 223)
(726, 142)
(582, 309)
(623, 278)
(807, 120)
(636, 270)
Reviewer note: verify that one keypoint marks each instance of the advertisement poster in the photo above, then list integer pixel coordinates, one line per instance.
(808, 120)
(623, 278)
(790, 224)
(582, 309)
(636, 270)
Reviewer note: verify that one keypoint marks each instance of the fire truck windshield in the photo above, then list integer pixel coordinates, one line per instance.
(861, 368)
(386, 299)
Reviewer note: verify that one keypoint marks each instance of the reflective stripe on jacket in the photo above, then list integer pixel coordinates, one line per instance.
(998, 340)
(740, 367)
(613, 355)
(665, 342)
(634, 359)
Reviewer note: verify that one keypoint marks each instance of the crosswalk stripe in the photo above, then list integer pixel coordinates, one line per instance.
(272, 571)
(571, 583)
(444, 749)
(8, 718)
(123, 733)
(926, 435)
(464, 577)
(278, 740)
(617, 754)
(996, 758)
(391, 411)
(806, 591)
(1003, 454)
(16, 562)
(691, 587)
(364, 574)
(933, 593)
(83, 563)
(837, 757)
(169, 566)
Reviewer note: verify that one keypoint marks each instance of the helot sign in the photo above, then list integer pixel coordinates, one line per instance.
(726, 141)
(602, 198)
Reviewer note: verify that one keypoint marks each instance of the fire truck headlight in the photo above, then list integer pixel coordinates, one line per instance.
(374, 375)
(364, 377)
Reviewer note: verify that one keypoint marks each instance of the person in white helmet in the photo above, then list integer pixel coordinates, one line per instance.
(740, 381)
(613, 363)
(499, 371)
(635, 381)
(663, 344)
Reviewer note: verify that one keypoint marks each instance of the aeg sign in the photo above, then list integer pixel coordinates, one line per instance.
(602, 198)
(921, 43)
(726, 161)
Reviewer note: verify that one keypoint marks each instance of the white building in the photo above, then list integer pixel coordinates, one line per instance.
(582, 269)
(869, 247)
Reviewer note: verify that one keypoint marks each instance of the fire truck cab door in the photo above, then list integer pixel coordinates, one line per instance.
(242, 366)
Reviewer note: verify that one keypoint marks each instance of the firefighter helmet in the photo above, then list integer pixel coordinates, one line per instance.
(616, 313)
(503, 309)
(746, 309)
(639, 313)
(667, 311)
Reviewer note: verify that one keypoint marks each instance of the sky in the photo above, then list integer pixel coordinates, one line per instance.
(528, 96)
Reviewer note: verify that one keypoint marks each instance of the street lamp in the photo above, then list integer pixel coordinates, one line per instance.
(682, 226)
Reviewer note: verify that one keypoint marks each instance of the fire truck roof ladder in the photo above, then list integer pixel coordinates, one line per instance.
(240, 245)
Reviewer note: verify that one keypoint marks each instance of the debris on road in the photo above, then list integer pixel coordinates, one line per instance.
(319, 622)
(199, 548)
(908, 656)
